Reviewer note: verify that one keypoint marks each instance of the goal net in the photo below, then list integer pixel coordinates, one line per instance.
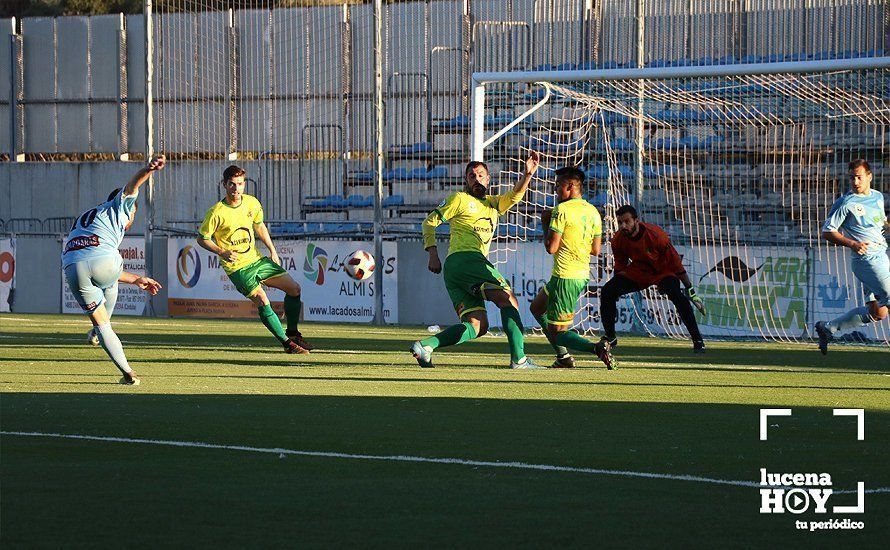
(740, 170)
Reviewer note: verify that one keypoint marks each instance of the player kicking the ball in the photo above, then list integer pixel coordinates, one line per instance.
(228, 231)
(93, 266)
(573, 233)
(470, 278)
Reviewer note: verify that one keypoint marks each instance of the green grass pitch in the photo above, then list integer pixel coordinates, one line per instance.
(226, 383)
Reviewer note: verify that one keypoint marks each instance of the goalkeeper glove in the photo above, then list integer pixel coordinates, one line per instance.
(696, 301)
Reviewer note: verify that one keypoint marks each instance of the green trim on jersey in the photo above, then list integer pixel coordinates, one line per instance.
(231, 228)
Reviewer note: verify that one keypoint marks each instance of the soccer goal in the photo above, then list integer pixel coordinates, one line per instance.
(738, 163)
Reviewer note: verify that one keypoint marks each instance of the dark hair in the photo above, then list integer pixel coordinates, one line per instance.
(859, 163)
(626, 209)
(571, 172)
(232, 171)
(473, 164)
(113, 194)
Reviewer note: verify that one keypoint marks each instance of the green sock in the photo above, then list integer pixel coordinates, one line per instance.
(560, 350)
(271, 322)
(451, 336)
(513, 328)
(573, 340)
(292, 306)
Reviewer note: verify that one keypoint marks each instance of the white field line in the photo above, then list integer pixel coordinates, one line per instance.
(407, 458)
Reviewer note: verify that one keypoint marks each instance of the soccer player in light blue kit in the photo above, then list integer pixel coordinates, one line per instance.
(860, 213)
(93, 265)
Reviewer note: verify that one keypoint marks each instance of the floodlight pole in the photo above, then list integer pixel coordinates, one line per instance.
(641, 88)
(378, 163)
(149, 150)
(13, 95)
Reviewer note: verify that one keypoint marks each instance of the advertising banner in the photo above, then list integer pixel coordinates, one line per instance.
(7, 273)
(199, 287)
(749, 291)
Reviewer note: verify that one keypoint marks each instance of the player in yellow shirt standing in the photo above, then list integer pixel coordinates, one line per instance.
(573, 233)
(228, 231)
(469, 277)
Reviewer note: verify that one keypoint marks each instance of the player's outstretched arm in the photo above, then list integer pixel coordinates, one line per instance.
(262, 233)
(531, 166)
(145, 283)
(156, 163)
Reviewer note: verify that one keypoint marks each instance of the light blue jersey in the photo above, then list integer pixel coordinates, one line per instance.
(862, 217)
(98, 232)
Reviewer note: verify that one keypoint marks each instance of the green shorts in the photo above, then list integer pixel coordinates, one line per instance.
(562, 298)
(247, 279)
(467, 275)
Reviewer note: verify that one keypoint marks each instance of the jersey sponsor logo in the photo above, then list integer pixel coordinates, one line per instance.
(241, 240)
(441, 204)
(315, 264)
(81, 242)
(188, 266)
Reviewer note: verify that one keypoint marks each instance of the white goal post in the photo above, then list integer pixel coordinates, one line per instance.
(739, 163)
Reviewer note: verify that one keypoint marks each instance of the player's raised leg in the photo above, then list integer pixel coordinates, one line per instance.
(874, 274)
(83, 279)
(271, 321)
(292, 306)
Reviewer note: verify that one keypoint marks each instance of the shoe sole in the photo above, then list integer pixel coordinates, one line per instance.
(421, 361)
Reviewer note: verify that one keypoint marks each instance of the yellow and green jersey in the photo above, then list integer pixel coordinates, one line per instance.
(231, 227)
(472, 220)
(579, 223)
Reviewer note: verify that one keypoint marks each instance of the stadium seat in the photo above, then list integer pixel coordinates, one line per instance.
(460, 121)
(359, 201)
(418, 174)
(437, 172)
(399, 174)
(393, 201)
(365, 176)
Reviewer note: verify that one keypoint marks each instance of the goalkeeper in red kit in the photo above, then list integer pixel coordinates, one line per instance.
(644, 256)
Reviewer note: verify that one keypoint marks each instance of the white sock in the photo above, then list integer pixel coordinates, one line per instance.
(854, 318)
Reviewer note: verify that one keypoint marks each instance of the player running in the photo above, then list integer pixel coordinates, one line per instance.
(644, 256)
(228, 231)
(573, 232)
(469, 277)
(93, 266)
(860, 212)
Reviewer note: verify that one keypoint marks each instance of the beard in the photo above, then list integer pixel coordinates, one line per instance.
(478, 191)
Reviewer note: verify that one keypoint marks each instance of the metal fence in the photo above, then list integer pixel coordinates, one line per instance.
(287, 87)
